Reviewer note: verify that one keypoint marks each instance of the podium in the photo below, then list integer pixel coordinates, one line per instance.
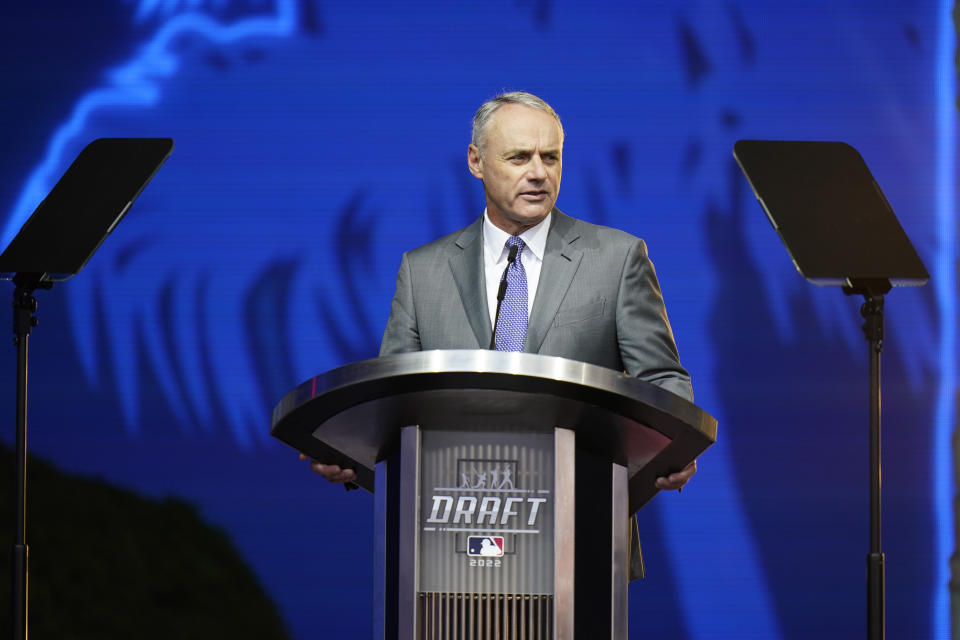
(503, 482)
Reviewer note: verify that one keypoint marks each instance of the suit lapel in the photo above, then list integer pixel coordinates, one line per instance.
(466, 263)
(560, 262)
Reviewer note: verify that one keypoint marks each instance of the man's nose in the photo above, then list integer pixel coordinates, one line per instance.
(536, 170)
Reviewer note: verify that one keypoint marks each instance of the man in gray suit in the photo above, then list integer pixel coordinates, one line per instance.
(576, 290)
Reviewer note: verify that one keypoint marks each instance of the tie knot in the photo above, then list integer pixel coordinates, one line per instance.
(515, 241)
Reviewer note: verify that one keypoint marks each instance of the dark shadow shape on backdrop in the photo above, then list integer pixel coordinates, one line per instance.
(695, 62)
(116, 565)
(267, 314)
(341, 308)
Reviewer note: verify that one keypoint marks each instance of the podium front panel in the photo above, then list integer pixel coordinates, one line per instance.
(487, 512)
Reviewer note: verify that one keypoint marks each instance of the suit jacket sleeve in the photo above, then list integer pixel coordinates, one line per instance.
(401, 334)
(647, 347)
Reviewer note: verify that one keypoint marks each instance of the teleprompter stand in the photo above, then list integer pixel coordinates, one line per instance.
(839, 230)
(503, 484)
(56, 241)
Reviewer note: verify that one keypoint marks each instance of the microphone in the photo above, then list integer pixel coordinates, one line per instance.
(511, 257)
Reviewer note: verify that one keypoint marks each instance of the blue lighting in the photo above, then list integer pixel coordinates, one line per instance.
(945, 281)
(137, 83)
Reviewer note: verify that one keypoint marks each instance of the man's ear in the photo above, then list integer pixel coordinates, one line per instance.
(475, 161)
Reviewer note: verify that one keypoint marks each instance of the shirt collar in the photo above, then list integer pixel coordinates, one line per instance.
(495, 238)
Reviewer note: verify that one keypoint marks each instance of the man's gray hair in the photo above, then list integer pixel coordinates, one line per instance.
(481, 120)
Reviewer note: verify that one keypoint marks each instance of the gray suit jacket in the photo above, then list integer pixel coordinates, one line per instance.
(598, 301)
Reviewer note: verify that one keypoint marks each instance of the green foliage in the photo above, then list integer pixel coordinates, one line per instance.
(107, 563)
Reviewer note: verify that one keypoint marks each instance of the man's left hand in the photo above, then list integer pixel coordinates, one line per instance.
(678, 479)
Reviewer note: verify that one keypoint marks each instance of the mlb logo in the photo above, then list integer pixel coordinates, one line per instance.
(485, 546)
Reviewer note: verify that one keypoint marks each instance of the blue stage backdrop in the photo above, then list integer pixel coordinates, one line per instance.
(318, 140)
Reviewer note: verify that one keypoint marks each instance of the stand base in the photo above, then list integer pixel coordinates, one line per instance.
(875, 596)
(19, 589)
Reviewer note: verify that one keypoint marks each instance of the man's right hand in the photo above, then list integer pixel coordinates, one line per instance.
(331, 472)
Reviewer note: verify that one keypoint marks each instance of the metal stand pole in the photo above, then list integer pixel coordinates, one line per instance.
(872, 311)
(24, 306)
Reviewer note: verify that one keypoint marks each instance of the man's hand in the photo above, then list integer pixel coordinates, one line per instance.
(332, 472)
(674, 480)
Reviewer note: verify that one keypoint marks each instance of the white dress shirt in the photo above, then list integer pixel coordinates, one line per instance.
(495, 259)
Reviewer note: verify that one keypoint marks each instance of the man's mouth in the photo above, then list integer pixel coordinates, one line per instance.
(534, 195)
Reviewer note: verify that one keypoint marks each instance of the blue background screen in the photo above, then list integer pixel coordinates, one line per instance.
(317, 141)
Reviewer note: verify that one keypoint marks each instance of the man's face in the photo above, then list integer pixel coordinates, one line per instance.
(520, 166)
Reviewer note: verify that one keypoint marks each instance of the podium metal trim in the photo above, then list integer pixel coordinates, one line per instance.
(564, 540)
(352, 415)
